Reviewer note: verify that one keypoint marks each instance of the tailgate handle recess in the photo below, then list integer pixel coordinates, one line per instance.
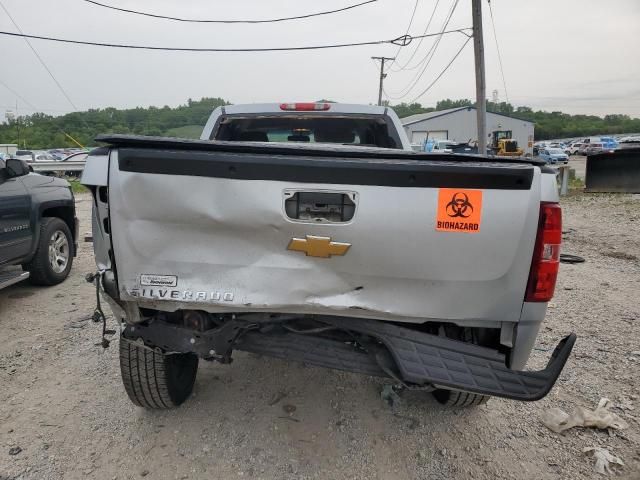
(319, 206)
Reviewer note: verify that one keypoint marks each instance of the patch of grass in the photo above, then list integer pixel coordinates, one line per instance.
(76, 186)
(576, 183)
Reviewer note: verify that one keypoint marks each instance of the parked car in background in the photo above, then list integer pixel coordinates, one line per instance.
(57, 154)
(537, 147)
(443, 146)
(582, 149)
(75, 157)
(609, 143)
(632, 141)
(38, 226)
(449, 146)
(43, 157)
(26, 155)
(573, 147)
(553, 155)
(597, 147)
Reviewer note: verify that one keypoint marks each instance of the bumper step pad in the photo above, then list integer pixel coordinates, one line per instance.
(425, 358)
(420, 358)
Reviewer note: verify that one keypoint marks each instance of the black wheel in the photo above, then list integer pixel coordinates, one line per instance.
(156, 380)
(454, 398)
(52, 261)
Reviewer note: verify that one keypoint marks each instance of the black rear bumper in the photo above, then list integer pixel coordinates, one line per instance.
(417, 358)
(425, 358)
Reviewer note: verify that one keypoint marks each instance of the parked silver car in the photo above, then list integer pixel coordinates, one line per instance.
(26, 155)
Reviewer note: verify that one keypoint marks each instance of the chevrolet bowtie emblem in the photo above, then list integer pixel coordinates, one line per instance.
(321, 247)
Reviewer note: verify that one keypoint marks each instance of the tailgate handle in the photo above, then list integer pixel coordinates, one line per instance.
(319, 206)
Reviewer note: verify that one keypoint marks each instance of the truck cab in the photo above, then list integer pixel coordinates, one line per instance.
(308, 123)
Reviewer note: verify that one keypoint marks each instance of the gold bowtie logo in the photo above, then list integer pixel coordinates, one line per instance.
(322, 247)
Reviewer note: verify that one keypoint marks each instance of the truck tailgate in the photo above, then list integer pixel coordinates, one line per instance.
(424, 239)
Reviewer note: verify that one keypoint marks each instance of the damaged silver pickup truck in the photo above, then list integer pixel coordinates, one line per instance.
(322, 240)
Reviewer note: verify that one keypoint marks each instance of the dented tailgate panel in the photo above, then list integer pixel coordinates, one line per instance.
(402, 253)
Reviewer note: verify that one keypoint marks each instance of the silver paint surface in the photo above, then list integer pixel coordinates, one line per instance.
(226, 235)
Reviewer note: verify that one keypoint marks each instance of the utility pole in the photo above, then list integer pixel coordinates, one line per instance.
(382, 75)
(478, 50)
(18, 123)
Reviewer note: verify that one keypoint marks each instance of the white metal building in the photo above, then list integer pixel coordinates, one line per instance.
(460, 125)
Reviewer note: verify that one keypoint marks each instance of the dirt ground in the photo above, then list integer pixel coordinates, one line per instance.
(64, 413)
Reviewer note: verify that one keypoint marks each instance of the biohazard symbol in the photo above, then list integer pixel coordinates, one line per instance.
(459, 210)
(459, 206)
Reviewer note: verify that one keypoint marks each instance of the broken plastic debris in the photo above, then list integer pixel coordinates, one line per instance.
(603, 459)
(389, 396)
(558, 420)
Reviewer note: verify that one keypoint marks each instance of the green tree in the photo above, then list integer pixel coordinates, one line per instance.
(448, 103)
(40, 130)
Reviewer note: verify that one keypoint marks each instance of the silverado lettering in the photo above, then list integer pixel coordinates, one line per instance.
(162, 293)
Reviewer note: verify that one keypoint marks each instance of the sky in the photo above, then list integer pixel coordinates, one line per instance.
(576, 56)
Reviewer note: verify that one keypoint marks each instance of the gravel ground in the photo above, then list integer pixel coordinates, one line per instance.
(64, 413)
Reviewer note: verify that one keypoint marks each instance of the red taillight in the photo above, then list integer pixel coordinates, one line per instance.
(546, 254)
(305, 106)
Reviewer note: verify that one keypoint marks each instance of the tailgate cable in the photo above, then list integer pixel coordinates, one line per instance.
(98, 314)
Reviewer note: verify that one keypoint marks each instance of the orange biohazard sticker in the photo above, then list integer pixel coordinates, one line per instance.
(459, 210)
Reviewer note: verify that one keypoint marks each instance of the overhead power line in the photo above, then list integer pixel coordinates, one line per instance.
(24, 100)
(426, 60)
(431, 52)
(434, 46)
(415, 50)
(195, 20)
(443, 71)
(42, 62)
(495, 37)
(413, 14)
(403, 40)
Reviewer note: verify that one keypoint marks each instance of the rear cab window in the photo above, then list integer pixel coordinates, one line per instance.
(357, 130)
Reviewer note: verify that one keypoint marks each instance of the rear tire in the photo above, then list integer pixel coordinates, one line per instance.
(53, 259)
(156, 380)
(455, 398)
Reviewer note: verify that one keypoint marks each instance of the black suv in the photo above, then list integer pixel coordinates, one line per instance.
(38, 225)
